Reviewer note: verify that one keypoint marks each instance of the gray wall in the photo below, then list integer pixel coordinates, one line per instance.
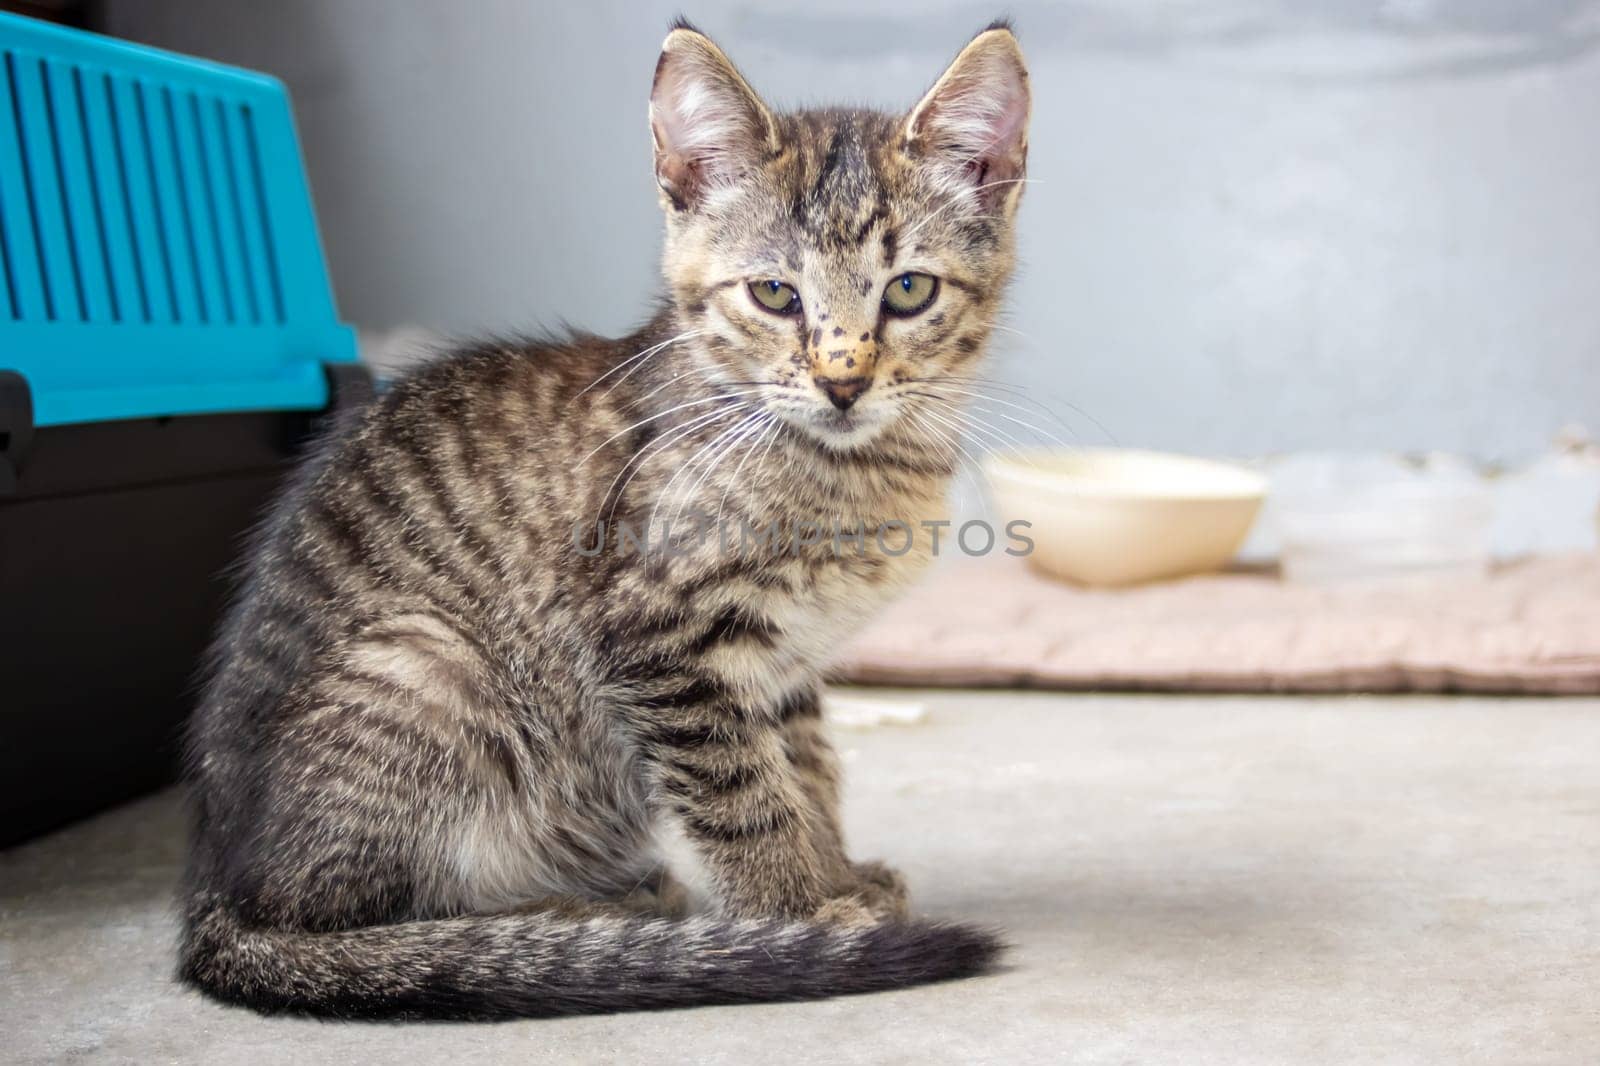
(1260, 225)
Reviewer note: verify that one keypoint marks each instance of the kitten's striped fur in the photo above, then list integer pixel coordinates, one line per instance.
(453, 763)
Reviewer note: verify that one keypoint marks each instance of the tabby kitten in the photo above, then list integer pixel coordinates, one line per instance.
(468, 750)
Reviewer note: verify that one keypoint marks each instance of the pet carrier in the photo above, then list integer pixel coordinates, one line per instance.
(168, 338)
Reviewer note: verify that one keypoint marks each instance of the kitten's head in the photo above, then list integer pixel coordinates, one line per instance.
(837, 263)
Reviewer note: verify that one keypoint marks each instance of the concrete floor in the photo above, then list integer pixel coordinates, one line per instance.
(1194, 880)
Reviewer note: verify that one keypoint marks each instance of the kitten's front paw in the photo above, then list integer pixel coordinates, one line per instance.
(877, 895)
(852, 910)
(882, 877)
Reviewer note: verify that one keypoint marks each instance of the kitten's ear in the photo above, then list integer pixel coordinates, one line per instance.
(972, 126)
(709, 126)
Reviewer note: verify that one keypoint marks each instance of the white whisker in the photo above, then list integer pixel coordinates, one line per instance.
(1025, 395)
(641, 460)
(767, 428)
(654, 348)
(936, 386)
(958, 456)
(707, 454)
(662, 414)
(908, 234)
(740, 431)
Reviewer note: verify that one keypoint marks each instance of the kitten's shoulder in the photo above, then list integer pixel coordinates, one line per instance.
(548, 363)
(538, 378)
(487, 391)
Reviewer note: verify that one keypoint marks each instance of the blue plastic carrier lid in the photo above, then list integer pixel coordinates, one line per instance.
(158, 249)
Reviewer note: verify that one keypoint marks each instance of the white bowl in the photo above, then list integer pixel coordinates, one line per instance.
(1351, 516)
(1112, 516)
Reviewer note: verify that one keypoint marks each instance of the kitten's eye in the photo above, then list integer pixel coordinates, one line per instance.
(910, 294)
(775, 296)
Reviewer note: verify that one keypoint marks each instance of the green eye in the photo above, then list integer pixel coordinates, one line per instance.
(775, 296)
(910, 294)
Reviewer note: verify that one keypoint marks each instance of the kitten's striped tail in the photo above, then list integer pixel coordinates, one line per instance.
(541, 964)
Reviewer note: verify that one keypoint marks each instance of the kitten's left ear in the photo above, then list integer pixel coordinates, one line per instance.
(709, 127)
(972, 126)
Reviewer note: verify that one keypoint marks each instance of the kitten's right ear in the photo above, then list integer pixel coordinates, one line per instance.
(709, 126)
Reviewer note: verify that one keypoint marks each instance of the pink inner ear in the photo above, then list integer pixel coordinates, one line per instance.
(986, 119)
(1010, 122)
(998, 157)
(704, 125)
(976, 123)
(673, 104)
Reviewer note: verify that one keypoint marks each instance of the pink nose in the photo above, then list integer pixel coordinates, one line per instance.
(842, 392)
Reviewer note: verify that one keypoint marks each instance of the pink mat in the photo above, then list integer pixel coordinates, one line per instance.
(1529, 627)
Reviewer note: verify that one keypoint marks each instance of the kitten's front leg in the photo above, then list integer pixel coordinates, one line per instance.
(736, 802)
(879, 887)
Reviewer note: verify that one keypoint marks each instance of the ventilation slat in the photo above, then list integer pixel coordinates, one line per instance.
(252, 268)
(109, 177)
(190, 165)
(43, 187)
(11, 307)
(149, 237)
(50, 187)
(171, 203)
(75, 171)
(8, 287)
(224, 209)
(253, 183)
(26, 291)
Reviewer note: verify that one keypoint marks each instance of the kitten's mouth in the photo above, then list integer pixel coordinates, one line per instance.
(845, 429)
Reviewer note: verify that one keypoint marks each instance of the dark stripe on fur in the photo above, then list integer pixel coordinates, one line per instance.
(698, 692)
(712, 778)
(735, 625)
(679, 736)
(741, 831)
(803, 704)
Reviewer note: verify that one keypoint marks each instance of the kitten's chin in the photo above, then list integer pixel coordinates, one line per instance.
(844, 431)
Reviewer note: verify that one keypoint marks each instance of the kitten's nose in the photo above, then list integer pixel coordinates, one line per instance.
(842, 363)
(844, 391)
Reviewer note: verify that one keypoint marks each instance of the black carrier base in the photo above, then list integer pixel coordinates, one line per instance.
(117, 542)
